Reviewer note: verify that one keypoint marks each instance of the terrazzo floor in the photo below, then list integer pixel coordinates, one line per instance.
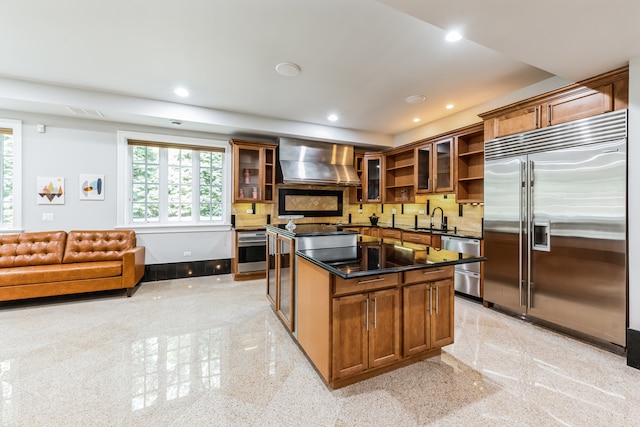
(210, 352)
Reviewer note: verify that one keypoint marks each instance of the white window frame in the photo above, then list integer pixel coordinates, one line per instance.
(124, 215)
(16, 130)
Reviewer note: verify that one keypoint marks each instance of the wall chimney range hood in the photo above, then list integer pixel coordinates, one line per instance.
(319, 163)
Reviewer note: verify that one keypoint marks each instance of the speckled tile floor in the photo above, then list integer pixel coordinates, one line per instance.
(210, 352)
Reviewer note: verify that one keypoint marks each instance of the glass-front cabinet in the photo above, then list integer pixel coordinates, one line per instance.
(254, 171)
(280, 276)
(435, 167)
(372, 178)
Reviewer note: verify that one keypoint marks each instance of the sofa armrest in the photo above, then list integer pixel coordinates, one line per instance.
(132, 266)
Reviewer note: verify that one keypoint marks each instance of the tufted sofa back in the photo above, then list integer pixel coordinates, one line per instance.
(39, 248)
(97, 245)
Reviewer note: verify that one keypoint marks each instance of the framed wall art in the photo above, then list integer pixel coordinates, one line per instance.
(50, 190)
(91, 187)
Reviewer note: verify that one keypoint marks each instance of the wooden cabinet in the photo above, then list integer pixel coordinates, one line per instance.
(399, 177)
(281, 276)
(254, 171)
(434, 167)
(355, 328)
(366, 331)
(433, 240)
(372, 183)
(356, 193)
(597, 95)
(427, 316)
(390, 233)
(470, 167)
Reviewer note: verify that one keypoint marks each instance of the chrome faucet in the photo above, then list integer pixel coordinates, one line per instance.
(443, 219)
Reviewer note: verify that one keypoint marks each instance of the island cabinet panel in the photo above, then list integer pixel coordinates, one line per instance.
(314, 300)
(350, 335)
(417, 333)
(366, 332)
(427, 316)
(384, 327)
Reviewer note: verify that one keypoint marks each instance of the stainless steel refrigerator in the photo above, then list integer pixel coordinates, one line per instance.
(555, 226)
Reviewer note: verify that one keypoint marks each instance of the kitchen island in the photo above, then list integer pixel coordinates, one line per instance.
(373, 306)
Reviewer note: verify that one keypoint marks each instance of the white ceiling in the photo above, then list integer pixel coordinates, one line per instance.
(360, 58)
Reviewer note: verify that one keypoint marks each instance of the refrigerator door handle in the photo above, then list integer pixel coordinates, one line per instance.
(529, 232)
(520, 223)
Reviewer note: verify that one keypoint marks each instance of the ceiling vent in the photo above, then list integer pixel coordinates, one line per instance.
(85, 112)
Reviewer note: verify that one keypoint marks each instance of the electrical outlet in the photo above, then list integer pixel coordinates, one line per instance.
(359, 210)
(47, 217)
(187, 253)
(421, 212)
(250, 211)
(393, 211)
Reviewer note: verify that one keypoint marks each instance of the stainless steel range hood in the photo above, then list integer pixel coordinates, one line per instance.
(310, 162)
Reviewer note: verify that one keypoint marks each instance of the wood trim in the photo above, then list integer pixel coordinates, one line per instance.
(617, 75)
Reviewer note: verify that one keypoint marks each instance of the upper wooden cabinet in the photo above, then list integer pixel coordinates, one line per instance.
(434, 166)
(601, 94)
(372, 182)
(254, 171)
(399, 176)
(356, 193)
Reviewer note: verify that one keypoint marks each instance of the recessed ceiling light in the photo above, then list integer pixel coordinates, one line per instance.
(415, 99)
(416, 120)
(332, 117)
(181, 92)
(453, 36)
(449, 106)
(288, 69)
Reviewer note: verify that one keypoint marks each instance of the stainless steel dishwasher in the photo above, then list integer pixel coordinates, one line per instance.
(467, 276)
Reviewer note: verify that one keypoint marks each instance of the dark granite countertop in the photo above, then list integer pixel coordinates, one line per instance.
(455, 232)
(309, 230)
(373, 256)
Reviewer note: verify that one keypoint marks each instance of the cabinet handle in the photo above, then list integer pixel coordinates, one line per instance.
(549, 114)
(437, 302)
(433, 272)
(361, 282)
(375, 312)
(366, 323)
(430, 301)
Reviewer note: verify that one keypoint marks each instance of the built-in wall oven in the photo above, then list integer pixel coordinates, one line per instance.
(252, 251)
(467, 276)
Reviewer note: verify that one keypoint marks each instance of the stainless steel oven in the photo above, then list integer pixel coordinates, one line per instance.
(252, 251)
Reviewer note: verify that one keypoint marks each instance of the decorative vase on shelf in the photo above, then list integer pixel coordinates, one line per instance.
(241, 193)
(247, 176)
(254, 193)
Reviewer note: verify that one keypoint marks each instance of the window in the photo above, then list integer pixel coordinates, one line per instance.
(10, 174)
(174, 181)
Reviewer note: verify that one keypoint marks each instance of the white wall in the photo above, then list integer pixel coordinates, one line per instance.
(634, 193)
(70, 147)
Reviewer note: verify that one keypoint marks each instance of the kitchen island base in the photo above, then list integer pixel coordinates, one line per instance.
(354, 329)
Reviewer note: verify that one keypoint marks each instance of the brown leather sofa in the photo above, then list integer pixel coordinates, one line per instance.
(41, 264)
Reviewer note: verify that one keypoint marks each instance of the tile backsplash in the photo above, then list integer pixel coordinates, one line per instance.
(405, 216)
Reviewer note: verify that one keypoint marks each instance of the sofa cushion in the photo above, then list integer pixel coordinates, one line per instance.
(39, 248)
(59, 272)
(97, 245)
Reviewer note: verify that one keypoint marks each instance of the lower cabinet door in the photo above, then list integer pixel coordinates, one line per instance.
(384, 327)
(417, 325)
(442, 328)
(350, 335)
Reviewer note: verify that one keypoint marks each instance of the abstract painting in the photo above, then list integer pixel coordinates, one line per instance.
(91, 187)
(50, 190)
